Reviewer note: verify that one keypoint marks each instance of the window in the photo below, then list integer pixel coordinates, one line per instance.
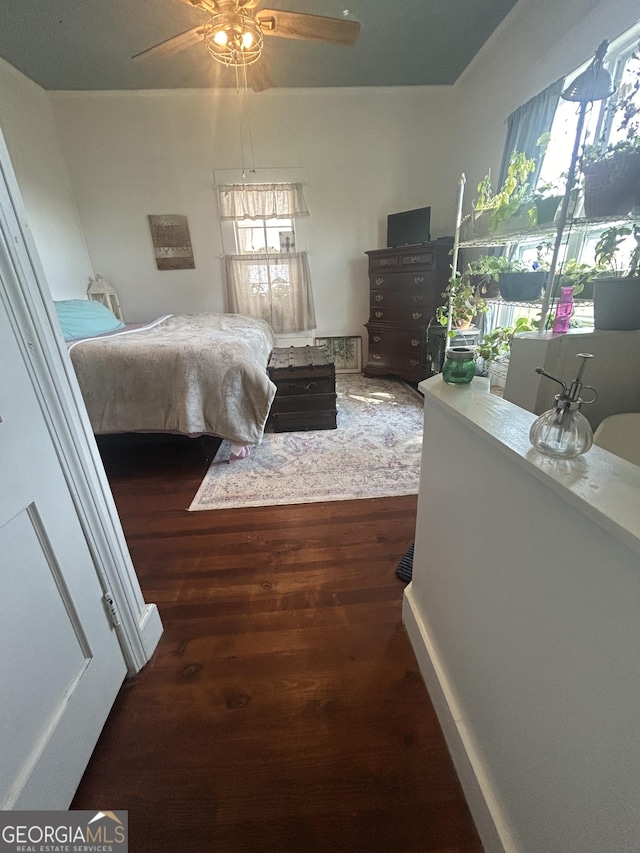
(603, 124)
(603, 118)
(270, 235)
(266, 277)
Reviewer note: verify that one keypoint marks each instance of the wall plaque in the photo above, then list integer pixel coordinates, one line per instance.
(171, 242)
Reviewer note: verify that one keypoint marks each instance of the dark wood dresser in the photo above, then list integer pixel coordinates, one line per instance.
(406, 286)
(306, 396)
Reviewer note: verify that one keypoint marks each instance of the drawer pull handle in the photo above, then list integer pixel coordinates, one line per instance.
(377, 338)
(414, 342)
(379, 297)
(416, 315)
(377, 356)
(384, 262)
(414, 259)
(380, 280)
(418, 298)
(310, 386)
(414, 362)
(418, 279)
(379, 314)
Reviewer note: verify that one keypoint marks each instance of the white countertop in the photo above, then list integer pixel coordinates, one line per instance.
(602, 486)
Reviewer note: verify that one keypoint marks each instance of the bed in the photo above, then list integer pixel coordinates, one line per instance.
(190, 374)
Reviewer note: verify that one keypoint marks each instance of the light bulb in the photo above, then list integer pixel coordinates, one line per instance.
(247, 40)
(220, 37)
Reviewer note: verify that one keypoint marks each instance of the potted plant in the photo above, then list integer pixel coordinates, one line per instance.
(612, 172)
(546, 198)
(496, 343)
(465, 301)
(483, 275)
(517, 281)
(492, 351)
(511, 206)
(579, 276)
(616, 301)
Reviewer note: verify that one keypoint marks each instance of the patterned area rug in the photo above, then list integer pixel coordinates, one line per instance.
(374, 452)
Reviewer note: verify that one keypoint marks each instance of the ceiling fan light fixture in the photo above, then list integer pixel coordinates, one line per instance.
(233, 38)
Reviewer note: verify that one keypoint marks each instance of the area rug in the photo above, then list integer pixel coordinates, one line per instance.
(374, 452)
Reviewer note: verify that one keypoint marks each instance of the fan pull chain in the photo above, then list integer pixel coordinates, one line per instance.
(246, 94)
(240, 106)
(243, 92)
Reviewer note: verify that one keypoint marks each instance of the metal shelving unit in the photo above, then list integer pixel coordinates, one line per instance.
(572, 225)
(503, 238)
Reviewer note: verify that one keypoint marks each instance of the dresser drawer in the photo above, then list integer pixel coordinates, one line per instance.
(421, 257)
(384, 262)
(397, 361)
(387, 337)
(413, 278)
(424, 258)
(408, 315)
(411, 297)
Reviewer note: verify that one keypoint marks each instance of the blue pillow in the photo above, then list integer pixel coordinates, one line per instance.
(84, 318)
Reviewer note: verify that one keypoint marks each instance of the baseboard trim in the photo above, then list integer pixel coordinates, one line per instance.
(150, 627)
(478, 791)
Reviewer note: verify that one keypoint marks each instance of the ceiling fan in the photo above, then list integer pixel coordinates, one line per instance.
(234, 37)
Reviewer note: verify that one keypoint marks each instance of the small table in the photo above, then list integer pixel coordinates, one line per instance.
(306, 396)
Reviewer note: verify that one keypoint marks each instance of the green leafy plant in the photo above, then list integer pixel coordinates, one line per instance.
(491, 266)
(463, 298)
(515, 191)
(496, 343)
(608, 246)
(575, 274)
(549, 189)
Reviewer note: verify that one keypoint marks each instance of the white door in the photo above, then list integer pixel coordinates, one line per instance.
(61, 664)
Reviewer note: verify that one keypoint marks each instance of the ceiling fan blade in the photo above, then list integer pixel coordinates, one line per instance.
(207, 5)
(173, 45)
(298, 25)
(258, 74)
(214, 6)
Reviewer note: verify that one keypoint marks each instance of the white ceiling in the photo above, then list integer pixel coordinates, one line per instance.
(88, 44)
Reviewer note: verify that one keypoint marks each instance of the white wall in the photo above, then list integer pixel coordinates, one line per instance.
(365, 153)
(30, 136)
(523, 612)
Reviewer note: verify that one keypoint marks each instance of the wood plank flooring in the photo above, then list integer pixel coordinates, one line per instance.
(283, 711)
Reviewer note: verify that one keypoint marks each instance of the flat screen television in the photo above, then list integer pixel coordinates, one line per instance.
(409, 227)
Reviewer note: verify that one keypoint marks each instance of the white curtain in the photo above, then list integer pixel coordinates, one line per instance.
(261, 201)
(276, 288)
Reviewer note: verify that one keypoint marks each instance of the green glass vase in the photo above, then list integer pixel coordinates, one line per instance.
(459, 366)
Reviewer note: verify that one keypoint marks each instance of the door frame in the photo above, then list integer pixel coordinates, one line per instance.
(29, 304)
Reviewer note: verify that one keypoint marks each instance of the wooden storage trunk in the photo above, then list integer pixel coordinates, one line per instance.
(306, 395)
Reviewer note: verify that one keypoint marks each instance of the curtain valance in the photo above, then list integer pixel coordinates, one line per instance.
(261, 201)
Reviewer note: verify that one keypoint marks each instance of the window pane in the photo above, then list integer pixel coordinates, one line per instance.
(557, 158)
(251, 238)
(628, 88)
(265, 236)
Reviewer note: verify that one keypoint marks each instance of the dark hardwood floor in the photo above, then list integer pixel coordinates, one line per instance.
(283, 711)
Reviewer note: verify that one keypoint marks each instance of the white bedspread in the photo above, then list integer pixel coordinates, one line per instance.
(190, 373)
